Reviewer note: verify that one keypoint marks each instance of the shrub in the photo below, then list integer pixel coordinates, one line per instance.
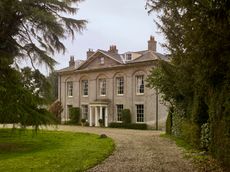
(205, 136)
(126, 116)
(169, 122)
(101, 122)
(74, 115)
(56, 109)
(83, 120)
(128, 126)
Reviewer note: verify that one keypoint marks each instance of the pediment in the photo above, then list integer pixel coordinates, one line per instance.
(100, 59)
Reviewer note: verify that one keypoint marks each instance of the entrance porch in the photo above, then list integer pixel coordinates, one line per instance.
(98, 110)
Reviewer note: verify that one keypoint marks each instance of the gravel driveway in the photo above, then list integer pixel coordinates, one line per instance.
(138, 151)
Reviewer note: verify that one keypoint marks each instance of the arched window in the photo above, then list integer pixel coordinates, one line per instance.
(69, 87)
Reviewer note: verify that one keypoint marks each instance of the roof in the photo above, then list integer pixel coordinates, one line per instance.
(145, 55)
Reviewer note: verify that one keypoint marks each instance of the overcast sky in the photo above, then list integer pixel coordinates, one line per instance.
(124, 23)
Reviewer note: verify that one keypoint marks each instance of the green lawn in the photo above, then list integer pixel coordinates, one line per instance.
(51, 150)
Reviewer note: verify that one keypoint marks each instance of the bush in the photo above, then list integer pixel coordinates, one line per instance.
(83, 120)
(205, 136)
(169, 122)
(128, 126)
(126, 116)
(74, 115)
(56, 109)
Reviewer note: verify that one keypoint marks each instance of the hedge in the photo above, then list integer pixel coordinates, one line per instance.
(128, 126)
(126, 116)
(74, 115)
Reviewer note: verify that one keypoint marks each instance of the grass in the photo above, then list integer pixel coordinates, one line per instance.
(202, 160)
(51, 150)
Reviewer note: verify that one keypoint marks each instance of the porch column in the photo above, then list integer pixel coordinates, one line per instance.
(100, 112)
(90, 116)
(106, 116)
(96, 116)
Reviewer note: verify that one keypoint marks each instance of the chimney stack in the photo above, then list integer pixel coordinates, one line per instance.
(89, 53)
(71, 61)
(152, 44)
(113, 49)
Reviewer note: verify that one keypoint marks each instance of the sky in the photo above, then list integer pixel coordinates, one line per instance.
(124, 23)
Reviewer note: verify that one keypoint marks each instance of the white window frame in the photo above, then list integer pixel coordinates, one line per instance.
(140, 85)
(140, 113)
(102, 60)
(118, 110)
(85, 88)
(69, 86)
(85, 111)
(102, 86)
(120, 86)
(128, 55)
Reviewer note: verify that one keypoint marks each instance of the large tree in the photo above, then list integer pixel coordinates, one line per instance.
(197, 81)
(31, 30)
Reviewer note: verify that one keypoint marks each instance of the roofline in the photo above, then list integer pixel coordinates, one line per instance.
(90, 58)
(147, 62)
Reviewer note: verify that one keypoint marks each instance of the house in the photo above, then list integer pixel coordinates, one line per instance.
(107, 82)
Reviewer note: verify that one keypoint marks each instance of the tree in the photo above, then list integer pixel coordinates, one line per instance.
(198, 40)
(53, 81)
(33, 30)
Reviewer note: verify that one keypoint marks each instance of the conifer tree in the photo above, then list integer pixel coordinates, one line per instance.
(31, 30)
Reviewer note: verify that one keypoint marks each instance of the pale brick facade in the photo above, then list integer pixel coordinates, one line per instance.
(107, 82)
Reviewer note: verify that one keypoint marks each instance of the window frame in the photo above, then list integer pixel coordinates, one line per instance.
(138, 89)
(140, 118)
(102, 87)
(117, 112)
(69, 89)
(85, 89)
(85, 114)
(127, 56)
(120, 86)
(102, 60)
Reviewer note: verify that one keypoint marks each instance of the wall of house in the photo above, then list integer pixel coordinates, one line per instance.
(129, 99)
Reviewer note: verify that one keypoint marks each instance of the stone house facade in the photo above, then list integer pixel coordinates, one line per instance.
(107, 82)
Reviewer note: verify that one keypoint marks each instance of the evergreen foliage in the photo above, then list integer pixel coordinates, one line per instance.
(56, 109)
(74, 115)
(126, 116)
(128, 125)
(31, 30)
(196, 81)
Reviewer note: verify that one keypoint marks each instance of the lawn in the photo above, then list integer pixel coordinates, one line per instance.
(51, 150)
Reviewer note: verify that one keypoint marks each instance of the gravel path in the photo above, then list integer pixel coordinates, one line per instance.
(138, 151)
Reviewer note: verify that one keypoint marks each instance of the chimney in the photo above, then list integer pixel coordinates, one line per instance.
(89, 53)
(113, 49)
(152, 44)
(71, 61)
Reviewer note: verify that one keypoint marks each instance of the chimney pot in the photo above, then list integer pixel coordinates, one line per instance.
(71, 61)
(89, 53)
(152, 44)
(113, 49)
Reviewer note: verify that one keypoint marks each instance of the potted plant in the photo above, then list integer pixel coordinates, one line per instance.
(83, 121)
(100, 122)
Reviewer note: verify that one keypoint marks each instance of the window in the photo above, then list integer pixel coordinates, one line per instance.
(140, 84)
(120, 85)
(70, 89)
(119, 110)
(102, 86)
(140, 112)
(128, 57)
(85, 110)
(102, 60)
(85, 87)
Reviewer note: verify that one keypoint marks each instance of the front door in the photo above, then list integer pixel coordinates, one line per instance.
(103, 115)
